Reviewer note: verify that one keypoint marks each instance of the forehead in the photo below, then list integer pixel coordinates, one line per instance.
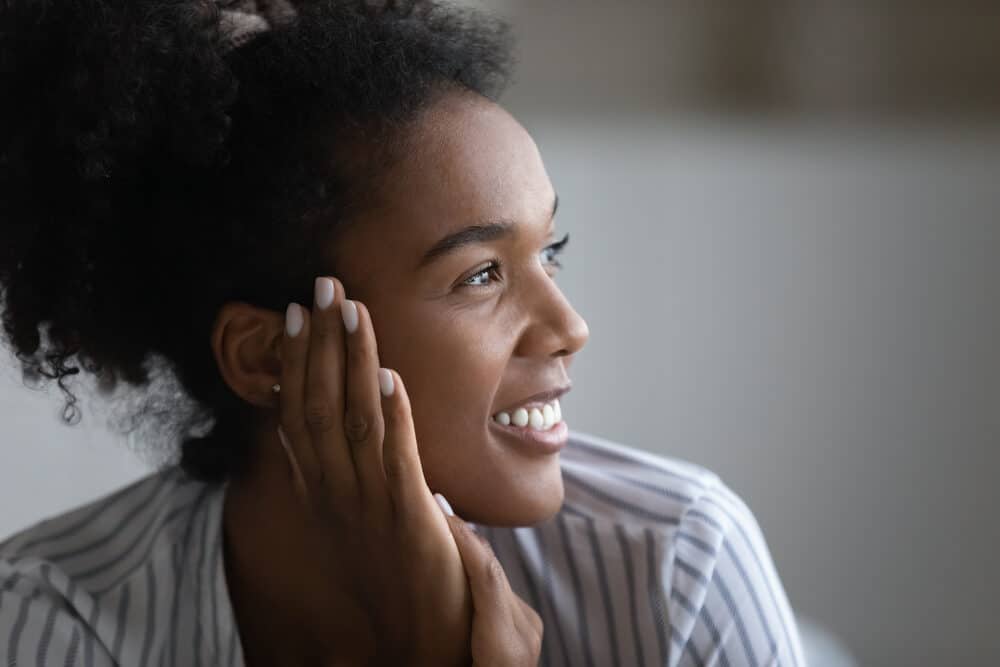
(465, 161)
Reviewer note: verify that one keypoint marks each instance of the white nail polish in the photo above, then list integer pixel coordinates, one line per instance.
(325, 291)
(349, 311)
(445, 505)
(293, 320)
(385, 382)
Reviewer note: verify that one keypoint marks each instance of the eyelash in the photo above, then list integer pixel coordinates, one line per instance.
(495, 264)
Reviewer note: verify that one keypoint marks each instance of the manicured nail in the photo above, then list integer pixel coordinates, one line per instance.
(350, 313)
(293, 319)
(325, 291)
(445, 506)
(385, 382)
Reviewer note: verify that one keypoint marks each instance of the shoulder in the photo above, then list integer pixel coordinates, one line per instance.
(609, 480)
(65, 579)
(108, 525)
(627, 483)
(687, 510)
(717, 588)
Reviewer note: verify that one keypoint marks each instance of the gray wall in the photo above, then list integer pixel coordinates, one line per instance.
(788, 242)
(803, 296)
(814, 315)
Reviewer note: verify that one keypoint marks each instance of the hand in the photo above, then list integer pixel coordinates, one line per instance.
(382, 538)
(506, 632)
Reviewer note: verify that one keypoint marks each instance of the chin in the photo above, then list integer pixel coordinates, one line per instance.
(546, 508)
(524, 503)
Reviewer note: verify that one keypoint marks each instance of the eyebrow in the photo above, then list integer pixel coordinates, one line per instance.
(474, 234)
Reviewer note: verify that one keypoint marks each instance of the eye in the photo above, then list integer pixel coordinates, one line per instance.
(555, 249)
(491, 270)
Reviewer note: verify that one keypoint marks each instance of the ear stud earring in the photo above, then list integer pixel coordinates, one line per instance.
(276, 388)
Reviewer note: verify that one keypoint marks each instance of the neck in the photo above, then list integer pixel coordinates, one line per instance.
(285, 604)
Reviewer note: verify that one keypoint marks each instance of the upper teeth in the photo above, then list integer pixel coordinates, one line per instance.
(539, 419)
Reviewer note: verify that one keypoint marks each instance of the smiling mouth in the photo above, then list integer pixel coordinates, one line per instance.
(549, 437)
(532, 442)
(536, 415)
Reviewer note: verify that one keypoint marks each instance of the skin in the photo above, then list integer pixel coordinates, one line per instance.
(464, 353)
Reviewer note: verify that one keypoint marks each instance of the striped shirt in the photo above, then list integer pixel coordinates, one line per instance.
(650, 561)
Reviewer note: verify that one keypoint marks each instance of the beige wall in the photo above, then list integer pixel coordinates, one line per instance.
(821, 57)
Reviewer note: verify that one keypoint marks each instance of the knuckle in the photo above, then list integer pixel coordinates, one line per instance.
(539, 626)
(535, 642)
(469, 532)
(292, 357)
(319, 416)
(360, 352)
(487, 547)
(395, 467)
(358, 426)
(393, 411)
(524, 654)
(494, 574)
(322, 333)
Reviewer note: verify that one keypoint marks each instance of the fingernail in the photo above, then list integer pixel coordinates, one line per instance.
(350, 313)
(385, 382)
(445, 506)
(293, 319)
(325, 291)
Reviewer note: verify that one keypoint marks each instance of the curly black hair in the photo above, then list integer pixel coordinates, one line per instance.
(147, 177)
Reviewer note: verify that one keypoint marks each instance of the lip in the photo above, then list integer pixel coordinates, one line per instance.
(535, 443)
(539, 398)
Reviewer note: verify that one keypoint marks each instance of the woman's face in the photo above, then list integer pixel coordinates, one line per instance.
(469, 343)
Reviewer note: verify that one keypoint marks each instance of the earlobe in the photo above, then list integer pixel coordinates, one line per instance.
(247, 347)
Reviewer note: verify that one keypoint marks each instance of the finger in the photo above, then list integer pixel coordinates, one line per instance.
(528, 619)
(363, 423)
(295, 470)
(404, 474)
(294, 357)
(488, 582)
(531, 629)
(323, 405)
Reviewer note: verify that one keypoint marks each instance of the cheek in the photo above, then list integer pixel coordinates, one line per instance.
(451, 378)
(461, 384)
(452, 384)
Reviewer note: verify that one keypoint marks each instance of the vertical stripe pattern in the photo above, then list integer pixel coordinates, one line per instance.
(650, 561)
(95, 586)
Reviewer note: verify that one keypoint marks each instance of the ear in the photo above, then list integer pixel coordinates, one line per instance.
(246, 344)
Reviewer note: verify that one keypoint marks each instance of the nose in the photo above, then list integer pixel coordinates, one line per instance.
(555, 328)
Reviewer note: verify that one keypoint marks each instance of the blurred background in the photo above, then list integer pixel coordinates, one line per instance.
(784, 239)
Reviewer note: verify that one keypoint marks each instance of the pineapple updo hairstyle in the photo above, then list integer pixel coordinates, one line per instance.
(147, 178)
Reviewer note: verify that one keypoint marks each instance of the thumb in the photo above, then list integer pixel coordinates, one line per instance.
(487, 579)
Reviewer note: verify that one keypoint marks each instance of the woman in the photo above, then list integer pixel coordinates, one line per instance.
(318, 219)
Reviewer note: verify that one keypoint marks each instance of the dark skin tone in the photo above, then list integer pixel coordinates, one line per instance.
(466, 344)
